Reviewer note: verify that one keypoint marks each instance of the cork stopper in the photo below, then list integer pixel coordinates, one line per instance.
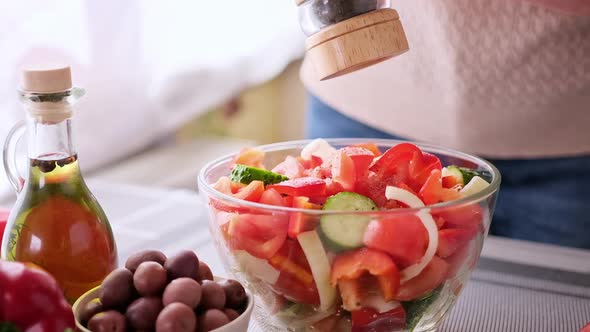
(45, 78)
(357, 43)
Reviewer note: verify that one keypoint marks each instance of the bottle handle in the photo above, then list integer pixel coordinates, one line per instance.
(9, 156)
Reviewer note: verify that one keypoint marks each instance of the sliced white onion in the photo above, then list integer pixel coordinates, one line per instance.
(256, 267)
(404, 196)
(319, 148)
(414, 270)
(377, 302)
(320, 267)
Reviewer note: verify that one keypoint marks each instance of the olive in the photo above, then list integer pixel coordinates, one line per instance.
(150, 278)
(89, 310)
(144, 256)
(183, 290)
(205, 272)
(213, 296)
(231, 314)
(212, 319)
(235, 295)
(108, 321)
(176, 317)
(117, 289)
(183, 264)
(143, 312)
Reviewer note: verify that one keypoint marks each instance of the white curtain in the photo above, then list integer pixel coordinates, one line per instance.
(147, 66)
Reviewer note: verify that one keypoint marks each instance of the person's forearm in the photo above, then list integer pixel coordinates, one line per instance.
(576, 7)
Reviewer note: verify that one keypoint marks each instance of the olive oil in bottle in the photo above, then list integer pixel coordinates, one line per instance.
(56, 222)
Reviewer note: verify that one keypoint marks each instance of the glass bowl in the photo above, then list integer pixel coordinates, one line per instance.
(294, 286)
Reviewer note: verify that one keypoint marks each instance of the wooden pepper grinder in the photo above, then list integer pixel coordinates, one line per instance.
(348, 35)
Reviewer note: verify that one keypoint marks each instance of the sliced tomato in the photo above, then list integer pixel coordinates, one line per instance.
(450, 239)
(249, 157)
(300, 222)
(373, 186)
(252, 192)
(272, 197)
(462, 216)
(432, 191)
(259, 235)
(361, 157)
(343, 171)
(290, 167)
(402, 236)
(370, 320)
(369, 146)
(295, 279)
(236, 186)
(223, 185)
(311, 163)
(349, 267)
(306, 186)
(586, 328)
(457, 260)
(433, 275)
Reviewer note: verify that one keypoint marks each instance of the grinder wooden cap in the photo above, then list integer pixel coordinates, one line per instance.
(357, 43)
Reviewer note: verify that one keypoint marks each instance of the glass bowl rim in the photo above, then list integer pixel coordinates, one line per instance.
(467, 200)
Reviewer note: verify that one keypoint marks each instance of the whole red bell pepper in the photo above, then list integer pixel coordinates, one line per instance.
(31, 300)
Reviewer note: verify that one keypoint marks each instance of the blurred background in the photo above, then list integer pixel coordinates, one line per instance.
(170, 85)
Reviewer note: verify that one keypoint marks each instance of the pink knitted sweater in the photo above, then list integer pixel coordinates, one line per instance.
(499, 78)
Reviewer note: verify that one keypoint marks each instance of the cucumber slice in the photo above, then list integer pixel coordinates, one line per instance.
(476, 184)
(246, 174)
(345, 232)
(463, 175)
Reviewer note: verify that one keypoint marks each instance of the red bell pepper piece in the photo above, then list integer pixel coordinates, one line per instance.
(432, 191)
(349, 267)
(396, 159)
(361, 157)
(307, 186)
(421, 166)
(32, 300)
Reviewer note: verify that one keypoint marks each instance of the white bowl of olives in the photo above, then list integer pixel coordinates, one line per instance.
(163, 294)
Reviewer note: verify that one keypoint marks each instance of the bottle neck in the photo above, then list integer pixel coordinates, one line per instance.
(49, 140)
(49, 124)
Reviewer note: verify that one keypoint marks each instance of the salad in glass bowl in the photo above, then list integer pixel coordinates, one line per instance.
(350, 234)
